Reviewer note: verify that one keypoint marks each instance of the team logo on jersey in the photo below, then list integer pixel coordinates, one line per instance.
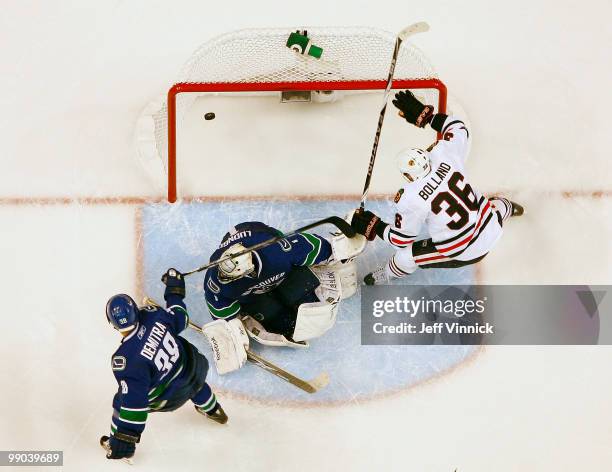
(214, 288)
(141, 332)
(265, 285)
(119, 363)
(285, 245)
(398, 195)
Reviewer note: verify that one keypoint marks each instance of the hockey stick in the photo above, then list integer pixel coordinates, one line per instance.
(338, 222)
(420, 27)
(310, 386)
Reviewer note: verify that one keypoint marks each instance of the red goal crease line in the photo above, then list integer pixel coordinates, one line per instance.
(202, 87)
(135, 200)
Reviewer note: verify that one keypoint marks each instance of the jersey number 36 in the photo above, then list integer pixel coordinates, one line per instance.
(459, 202)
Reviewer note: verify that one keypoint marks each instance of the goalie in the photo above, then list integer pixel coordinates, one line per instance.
(284, 294)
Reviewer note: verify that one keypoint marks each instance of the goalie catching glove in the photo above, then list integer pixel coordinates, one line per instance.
(412, 109)
(367, 223)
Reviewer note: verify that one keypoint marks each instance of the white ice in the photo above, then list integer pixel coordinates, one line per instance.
(532, 77)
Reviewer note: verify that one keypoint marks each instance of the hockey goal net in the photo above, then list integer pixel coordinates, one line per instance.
(250, 79)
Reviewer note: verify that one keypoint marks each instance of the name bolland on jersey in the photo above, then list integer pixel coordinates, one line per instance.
(456, 216)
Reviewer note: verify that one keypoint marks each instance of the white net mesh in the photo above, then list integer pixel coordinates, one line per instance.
(261, 56)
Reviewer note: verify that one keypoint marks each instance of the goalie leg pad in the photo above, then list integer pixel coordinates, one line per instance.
(314, 320)
(228, 345)
(262, 336)
(346, 275)
(329, 289)
(338, 280)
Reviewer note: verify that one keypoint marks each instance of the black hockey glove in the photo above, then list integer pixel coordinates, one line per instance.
(174, 282)
(412, 110)
(119, 445)
(367, 223)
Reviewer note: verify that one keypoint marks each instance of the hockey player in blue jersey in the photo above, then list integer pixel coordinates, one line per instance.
(285, 293)
(155, 369)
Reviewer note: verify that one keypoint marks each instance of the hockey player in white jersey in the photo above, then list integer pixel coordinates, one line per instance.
(463, 224)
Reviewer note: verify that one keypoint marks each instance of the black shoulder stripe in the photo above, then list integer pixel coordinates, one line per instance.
(438, 121)
(400, 234)
(451, 124)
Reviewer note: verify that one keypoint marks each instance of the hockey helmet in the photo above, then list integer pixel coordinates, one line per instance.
(413, 164)
(122, 312)
(238, 266)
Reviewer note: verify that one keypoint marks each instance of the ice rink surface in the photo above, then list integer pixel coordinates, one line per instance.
(358, 372)
(531, 77)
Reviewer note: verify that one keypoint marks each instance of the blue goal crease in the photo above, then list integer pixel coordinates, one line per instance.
(184, 235)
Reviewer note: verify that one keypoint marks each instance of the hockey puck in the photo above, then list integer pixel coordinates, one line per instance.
(209, 116)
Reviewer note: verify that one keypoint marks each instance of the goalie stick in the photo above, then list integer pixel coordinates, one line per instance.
(338, 222)
(309, 386)
(420, 27)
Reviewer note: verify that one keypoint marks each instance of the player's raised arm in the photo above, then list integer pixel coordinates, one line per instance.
(174, 295)
(453, 130)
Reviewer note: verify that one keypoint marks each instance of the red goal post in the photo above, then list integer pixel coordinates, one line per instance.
(357, 85)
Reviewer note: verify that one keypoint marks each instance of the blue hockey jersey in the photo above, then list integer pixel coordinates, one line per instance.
(272, 265)
(150, 364)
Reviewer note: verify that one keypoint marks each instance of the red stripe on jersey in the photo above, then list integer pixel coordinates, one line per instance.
(468, 238)
(431, 258)
(399, 242)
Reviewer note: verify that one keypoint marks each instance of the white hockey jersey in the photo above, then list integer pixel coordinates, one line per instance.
(460, 221)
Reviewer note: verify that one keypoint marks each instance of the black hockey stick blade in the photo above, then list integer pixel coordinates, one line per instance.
(336, 221)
